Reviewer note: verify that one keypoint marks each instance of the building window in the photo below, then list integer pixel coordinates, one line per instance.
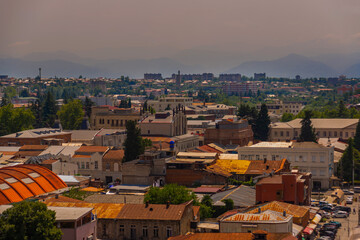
(133, 232)
(335, 134)
(82, 165)
(257, 157)
(168, 232)
(265, 157)
(287, 133)
(304, 159)
(313, 172)
(346, 134)
(341, 134)
(121, 123)
(107, 166)
(313, 158)
(104, 229)
(322, 172)
(87, 165)
(324, 134)
(273, 157)
(108, 121)
(296, 133)
(96, 165)
(122, 230)
(145, 231)
(275, 134)
(281, 133)
(156, 231)
(322, 159)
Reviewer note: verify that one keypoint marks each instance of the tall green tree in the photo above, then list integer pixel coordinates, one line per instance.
(133, 144)
(346, 161)
(15, 119)
(36, 108)
(357, 137)
(173, 193)
(307, 131)
(30, 221)
(5, 100)
(286, 117)
(262, 124)
(247, 112)
(88, 105)
(343, 112)
(49, 110)
(71, 115)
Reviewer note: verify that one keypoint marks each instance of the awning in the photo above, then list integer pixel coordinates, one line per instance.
(316, 219)
(308, 231)
(296, 229)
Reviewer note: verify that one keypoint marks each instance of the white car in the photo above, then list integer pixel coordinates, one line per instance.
(340, 214)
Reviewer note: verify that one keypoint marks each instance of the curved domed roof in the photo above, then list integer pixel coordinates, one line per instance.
(23, 181)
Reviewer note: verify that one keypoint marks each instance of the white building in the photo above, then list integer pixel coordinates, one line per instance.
(305, 156)
(169, 103)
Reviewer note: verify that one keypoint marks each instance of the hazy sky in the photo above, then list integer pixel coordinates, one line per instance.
(257, 29)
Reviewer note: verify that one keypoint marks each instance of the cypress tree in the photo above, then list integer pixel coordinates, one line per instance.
(357, 137)
(133, 143)
(346, 161)
(307, 131)
(262, 124)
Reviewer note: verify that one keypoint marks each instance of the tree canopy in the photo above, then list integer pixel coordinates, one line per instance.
(30, 221)
(307, 131)
(15, 119)
(71, 115)
(357, 137)
(261, 129)
(134, 145)
(173, 193)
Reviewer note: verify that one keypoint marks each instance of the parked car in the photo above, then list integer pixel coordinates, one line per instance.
(349, 201)
(327, 233)
(348, 192)
(325, 238)
(342, 208)
(336, 222)
(332, 228)
(331, 225)
(340, 214)
(326, 208)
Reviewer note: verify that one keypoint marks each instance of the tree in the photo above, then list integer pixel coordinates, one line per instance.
(15, 119)
(24, 93)
(71, 115)
(247, 112)
(36, 109)
(88, 105)
(49, 109)
(29, 220)
(5, 100)
(262, 124)
(206, 207)
(173, 193)
(229, 204)
(286, 117)
(307, 131)
(133, 144)
(357, 137)
(343, 112)
(346, 162)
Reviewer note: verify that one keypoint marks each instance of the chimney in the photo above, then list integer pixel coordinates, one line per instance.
(56, 196)
(146, 204)
(167, 204)
(284, 213)
(259, 210)
(264, 160)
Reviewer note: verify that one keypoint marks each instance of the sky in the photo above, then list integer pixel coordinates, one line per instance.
(185, 30)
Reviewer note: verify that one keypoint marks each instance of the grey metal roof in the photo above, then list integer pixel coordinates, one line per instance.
(243, 196)
(85, 135)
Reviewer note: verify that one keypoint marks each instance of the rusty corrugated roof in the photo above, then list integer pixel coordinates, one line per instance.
(231, 236)
(102, 210)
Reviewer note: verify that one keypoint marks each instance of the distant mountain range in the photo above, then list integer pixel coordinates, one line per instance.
(63, 64)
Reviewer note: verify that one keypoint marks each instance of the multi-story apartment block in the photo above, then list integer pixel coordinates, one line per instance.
(234, 77)
(259, 76)
(280, 107)
(152, 76)
(324, 127)
(112, 117)
(240, 88)
(169, 103)
(304, 156)
(169, 123)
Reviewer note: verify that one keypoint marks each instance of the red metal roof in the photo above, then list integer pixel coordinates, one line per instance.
(23, 181)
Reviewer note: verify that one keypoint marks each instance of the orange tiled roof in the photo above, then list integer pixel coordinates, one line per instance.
(81, 156)
(114, 154)
(91, 149)
(23, 181)
(34, 147)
